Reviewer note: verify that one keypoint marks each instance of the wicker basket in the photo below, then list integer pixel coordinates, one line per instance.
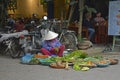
(55, 65)
(113, 61)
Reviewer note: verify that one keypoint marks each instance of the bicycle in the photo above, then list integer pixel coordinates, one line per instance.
(66, 37)
(33, 43)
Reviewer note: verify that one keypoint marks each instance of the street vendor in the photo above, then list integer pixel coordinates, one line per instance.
(51, 45)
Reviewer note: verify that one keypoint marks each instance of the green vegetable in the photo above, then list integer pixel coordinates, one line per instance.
(77, 54)
(85, 68)
(91, 59)
(49, 60)
(98, 57)
(76, 67)
(34, 61)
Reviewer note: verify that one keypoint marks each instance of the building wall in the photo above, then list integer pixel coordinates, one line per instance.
(60, 9)
(25, 8)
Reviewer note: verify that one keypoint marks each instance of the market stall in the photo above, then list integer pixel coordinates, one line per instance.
(77, 60)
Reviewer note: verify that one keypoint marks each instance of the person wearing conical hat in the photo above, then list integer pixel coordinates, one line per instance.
(51, 45)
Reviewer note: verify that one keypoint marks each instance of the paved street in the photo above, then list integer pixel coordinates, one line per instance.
(12, 69)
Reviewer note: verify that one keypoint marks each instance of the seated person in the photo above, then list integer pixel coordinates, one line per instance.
(99, 20)
(87, 22)
(51, 45)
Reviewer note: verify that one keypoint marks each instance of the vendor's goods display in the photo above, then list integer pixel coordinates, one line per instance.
(34, 61)
(40, 56)
(57, 65)
(45, 61)
(77, 60)
(103, 63)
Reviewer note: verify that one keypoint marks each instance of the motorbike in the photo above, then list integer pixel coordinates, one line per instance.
(9, 43)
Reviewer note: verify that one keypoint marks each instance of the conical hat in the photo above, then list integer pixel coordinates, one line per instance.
(50, 35)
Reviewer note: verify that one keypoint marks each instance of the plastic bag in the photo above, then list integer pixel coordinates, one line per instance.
(27, 58)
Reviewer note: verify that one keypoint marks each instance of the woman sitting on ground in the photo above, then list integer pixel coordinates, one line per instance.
(51, 45)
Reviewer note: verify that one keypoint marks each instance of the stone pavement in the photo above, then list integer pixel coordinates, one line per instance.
(101, 49)
(11, 69)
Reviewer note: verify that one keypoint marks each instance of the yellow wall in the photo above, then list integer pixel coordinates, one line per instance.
(60, 9)
(25, 8)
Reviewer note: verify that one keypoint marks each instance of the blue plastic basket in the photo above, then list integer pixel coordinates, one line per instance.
(103, 65)
(44, 61)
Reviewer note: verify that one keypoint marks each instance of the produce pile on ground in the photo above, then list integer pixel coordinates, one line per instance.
(78, 60)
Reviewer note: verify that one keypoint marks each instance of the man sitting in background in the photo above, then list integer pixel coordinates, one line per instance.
(87, 22)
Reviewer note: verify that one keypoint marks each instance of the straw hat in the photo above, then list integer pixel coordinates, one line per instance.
(51, 35)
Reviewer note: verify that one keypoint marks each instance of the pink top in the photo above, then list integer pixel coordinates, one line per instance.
(99, 19)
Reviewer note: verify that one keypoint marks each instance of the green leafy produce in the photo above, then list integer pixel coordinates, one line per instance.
(82, 63)
(98, 57)
(67, 58)
(49, 60)
(76, 67)
(77, 54)
(55, 58)
(85, 68)
(91, 59)
(34, 61)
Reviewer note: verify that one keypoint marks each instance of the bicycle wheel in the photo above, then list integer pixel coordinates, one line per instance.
(15, 49)
(69, 40)
(3, 47)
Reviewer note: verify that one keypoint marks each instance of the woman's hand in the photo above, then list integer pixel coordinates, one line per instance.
(56, 49)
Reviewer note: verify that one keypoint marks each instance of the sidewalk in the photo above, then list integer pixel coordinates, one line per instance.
(11, 69)
(100, 49)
